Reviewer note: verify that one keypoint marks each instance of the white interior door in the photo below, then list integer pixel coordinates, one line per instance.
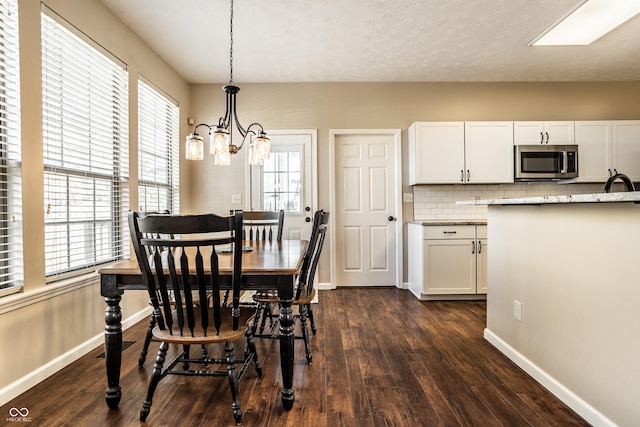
(367, 230)
(287, 180)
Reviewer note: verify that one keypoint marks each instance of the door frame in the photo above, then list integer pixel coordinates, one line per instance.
(397, 148)
(314, 165)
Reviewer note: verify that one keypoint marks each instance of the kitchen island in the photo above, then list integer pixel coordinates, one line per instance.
(564, 297)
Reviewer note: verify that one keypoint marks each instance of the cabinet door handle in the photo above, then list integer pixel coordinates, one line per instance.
(610, 174)
(473, 247)
(468, 176)
(541, 138)
(461, 175)
(449, 232)
(615, 171)
(547, 133)
(479, 246)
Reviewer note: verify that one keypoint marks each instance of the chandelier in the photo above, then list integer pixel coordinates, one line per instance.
(221, 144)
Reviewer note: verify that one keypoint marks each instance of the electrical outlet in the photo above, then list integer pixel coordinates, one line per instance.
(407, 197)
(517, 310)
(236, 199)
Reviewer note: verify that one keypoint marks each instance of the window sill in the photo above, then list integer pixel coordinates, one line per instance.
(10, 290)
(17, 301)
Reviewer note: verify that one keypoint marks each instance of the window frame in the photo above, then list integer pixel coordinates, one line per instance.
(87, 76)
(11, 252)
(158, 144)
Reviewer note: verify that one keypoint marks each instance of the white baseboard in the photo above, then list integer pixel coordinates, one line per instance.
(325, 286)
(23, 384)
(572, 400)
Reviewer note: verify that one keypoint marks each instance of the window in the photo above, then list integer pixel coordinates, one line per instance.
(281, 179)
(158, 157)
(85, 150)
(11, 269)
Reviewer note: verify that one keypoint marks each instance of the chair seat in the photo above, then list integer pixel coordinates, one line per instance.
(266, 297)
(226, 331)
(305, 298)
(271, 297)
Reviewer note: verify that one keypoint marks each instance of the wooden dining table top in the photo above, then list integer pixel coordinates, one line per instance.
(276, 257)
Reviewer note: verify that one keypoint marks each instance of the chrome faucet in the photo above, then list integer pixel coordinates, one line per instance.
(622, 177)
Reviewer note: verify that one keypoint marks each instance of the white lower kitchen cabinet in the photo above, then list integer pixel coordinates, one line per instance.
(447, 261)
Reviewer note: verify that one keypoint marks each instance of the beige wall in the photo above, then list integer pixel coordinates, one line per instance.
(576, 277)
(325, 106)
(48, 326)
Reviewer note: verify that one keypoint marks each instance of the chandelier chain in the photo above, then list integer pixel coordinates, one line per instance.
(231, 44)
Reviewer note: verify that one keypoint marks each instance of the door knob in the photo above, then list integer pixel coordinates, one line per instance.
(390, 218)
(307, 219)
(307, 209)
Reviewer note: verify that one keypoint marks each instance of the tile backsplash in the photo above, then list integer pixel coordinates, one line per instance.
(438, 202)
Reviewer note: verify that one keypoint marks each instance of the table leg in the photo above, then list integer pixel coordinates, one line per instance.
(287, 340)
(113, 349)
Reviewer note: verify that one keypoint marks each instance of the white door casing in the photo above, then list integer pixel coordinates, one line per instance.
(366, 207)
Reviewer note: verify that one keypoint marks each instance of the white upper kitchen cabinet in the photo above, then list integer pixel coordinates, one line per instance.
(625, 148)
(553, 133)
(594, 150)
(606, 148)
(488, 152)
(436, 153)
(460, 153)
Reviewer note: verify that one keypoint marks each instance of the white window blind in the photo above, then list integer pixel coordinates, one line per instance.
(85, 137)
(158, 157)
(11, 268)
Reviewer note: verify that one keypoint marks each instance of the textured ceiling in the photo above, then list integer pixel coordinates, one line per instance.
(375, 41)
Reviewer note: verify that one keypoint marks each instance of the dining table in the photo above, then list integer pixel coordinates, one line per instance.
(266, 265)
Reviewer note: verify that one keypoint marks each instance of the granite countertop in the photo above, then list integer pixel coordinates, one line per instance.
(619, 197)
(449, 222)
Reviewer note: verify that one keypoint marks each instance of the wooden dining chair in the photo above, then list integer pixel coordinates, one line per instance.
(152, 321)
(264, 226)
(305, 290)
(188, 265)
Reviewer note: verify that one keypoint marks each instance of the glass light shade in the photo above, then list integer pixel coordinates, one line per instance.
(219, 142)
(259, 149)
(254, 156)
(223, 159)
(195, 147)
(264, 145)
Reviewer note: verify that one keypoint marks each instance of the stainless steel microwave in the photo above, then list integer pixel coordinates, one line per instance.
(545, 162)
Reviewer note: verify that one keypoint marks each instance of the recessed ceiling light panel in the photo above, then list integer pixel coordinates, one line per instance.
(588, 22)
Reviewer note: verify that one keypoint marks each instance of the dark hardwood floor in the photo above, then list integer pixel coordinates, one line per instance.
(380, 358)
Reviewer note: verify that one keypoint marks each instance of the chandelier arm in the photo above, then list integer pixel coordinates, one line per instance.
(195, 129)
(255, 124)
(241, 129)
(248, 131)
